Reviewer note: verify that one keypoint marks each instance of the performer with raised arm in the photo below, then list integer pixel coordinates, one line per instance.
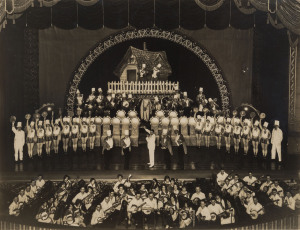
(200, 121)
(14, 207)
(40, 137)
(265, 137)
(48, 136)
(107, 147)
(75, 132)
(151, 138)
(126, 149)
(208, 128)
(30, 137)
(182, 148)
(276, 140)
(92, 133)
(236, 134)
(65, 124)
(84, 128)
(56, 134)
(219, 130)
(166, 146)
(255, 133)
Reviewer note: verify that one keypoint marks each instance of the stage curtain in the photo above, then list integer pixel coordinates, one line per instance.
(90, 17)
(167, 14)
(115, 13)
(240, 20)
(64, 14)
(192, 17)
(209, 5)
(141, 13)
(220, 18)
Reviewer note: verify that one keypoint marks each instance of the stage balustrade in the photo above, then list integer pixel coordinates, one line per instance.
(289, 222)
(143, 87)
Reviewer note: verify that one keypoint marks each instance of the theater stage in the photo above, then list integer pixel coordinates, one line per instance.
(199, 163)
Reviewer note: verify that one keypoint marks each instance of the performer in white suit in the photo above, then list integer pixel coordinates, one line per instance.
(19, 141)
(151, 146)
(276, 141)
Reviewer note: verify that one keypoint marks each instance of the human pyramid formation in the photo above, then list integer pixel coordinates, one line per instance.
(170, 202)
(208, 122)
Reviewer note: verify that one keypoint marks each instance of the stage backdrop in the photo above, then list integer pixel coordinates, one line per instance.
(60, 51)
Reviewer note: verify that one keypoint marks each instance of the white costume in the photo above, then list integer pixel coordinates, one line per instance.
(151, 146)
(276, 142)
(19, 141)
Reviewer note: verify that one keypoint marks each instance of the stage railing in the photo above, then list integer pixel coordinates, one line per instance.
(289, 222)
(141, 87)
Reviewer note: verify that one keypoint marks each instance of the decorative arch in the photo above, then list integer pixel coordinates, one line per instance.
(176, 37)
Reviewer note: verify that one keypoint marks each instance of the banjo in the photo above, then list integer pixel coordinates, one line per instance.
(135, 208)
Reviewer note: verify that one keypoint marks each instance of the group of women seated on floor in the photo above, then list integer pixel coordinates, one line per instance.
(225, 199)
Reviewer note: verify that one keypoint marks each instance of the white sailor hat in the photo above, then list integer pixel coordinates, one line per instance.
(40, 123)
(56, 121)
(108, 132)
(276, 122)
(210, 100)
(109, 91)
(247, 122)
(164, 131)
(237, 120)
(208, 118)
(175, 127)
(77, 91)
(113, 95)
(266, 124)
(256, 123)
(93, 89)
(74, 119)
(92, 120)
(228, 120)
(198, 117)
(84, 119)
(65, 119)
(32, 123)
(126, 132)
(220, 119)
(19, 124)
(99, 90)
(200, 89)
(200, 107)
(158, 65)
(156, 98)
(130, 95)
(143, 65)
(185, 94)
(175, 96)
(123, 94)
(205, 101)
(47, 122)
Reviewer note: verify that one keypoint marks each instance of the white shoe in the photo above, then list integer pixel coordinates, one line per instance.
(151, 166)
(148, 163)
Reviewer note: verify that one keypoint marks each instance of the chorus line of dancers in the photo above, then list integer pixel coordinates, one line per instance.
(170, 202)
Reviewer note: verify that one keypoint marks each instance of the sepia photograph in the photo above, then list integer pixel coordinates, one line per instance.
(149, 114)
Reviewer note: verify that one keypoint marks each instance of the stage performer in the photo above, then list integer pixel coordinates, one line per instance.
(84, 133)
(200, 121)
(265, 137)
(255, 137)
(142, 72)
(75, 133)
(186, 104)
(126, 149)
(145, 109)
(19, 141)
(227, 134)
(30, 138)
(98, 216)
(65, 132)
(48, 136)
(219, 130)
(246, 134)
(236, 134)
(107, 147)
(151, 146)
(182, 149)
(40, 137)
(92, 133)
(200, 99)
(276, 141)
(166, 146)
(156, 70)
(207, 131)
(56, 132)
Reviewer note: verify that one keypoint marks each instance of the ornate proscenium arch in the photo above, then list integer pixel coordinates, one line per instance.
(150, 33)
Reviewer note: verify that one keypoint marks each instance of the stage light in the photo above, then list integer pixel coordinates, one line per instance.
(246, 108)
(49, 108)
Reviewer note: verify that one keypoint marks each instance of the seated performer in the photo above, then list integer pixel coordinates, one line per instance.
(203, 213)
(98, 216)
(255, 209)
(33, 187)
(214, 209)
(125, 182)
(149, 209)
(221, 176)
(23, 199)
(134, 210)
(198, 194)
(14, 207)
(277, 187)
(80, 196)
(229, 218)
(289, 201)
(40, 182)
(277, 200)
(266, 184)
(250, 179)
(185, 216)
(170, 216)
(43, 214)
(29, 193)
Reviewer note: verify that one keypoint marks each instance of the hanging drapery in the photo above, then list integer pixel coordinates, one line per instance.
(117, 14)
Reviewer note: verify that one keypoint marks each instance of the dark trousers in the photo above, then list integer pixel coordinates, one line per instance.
(127, 155)
(107, 156)
(138, 218)
(150, 218)
(167, 158)
(181, 157)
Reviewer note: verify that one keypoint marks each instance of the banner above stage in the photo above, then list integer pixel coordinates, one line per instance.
(165, 14)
